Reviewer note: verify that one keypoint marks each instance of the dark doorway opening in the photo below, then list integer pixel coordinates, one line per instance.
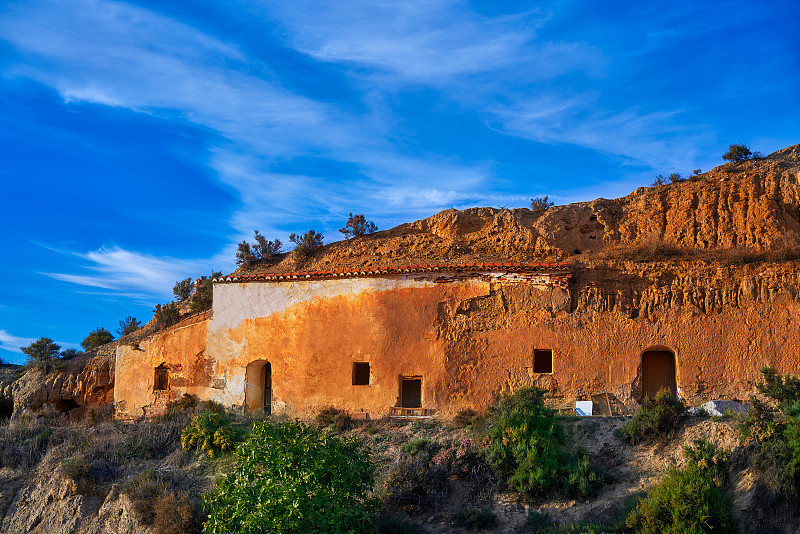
(161, 381)
(411, 392)
(361, 374)
(258, 386)
(658, 371)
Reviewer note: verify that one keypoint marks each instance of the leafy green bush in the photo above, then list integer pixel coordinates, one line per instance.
(291, 477)
(688, 500)
(527, 447)
(475, 518)
(97, 338)
(211, 432)
(656, 418)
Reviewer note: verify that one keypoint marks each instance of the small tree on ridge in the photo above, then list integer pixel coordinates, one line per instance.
(358, 225)
(42, 352)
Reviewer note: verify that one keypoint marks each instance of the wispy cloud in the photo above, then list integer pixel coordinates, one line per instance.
(130, 272)
(13, 343)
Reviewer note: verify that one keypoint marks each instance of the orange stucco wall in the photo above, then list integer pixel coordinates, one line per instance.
(469, 340)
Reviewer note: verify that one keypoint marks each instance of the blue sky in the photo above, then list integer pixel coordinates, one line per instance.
(141, 141)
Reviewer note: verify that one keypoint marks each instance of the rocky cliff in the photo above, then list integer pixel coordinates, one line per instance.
(751, 206)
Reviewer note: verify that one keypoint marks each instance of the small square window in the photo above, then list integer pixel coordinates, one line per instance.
(543, 361)
(361, 374)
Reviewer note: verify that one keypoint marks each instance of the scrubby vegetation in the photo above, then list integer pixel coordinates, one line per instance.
(128, 326)
(330, 417)
(528, 448)
(182, 289)
(540, 204)
(42, 353)
(203, 296)
(306, 244)
(261, 249)
(657, 418)
(357, 226)
(166, 315)
(97, 338)
(688, 500)
(292, 477)
(773, 431)
(474, 518)
(738, 153)
(210, 432)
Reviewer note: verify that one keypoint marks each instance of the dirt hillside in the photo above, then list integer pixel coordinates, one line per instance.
(752, 206)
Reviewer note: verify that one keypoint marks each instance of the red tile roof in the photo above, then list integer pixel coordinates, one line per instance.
(405, 269)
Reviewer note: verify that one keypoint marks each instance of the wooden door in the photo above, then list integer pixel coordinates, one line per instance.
(658, 371)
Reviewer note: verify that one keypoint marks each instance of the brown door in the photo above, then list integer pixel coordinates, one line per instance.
(411, 393)
(658, 371)
(258, 386)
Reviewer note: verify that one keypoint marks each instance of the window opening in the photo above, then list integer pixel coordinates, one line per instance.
(161, 381)
(411, 392)
(361, 373)
(543, 361)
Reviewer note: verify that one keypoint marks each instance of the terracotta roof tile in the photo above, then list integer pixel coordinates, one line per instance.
(564, 268)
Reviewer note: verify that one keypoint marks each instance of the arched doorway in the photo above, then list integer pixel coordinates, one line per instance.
(258, 386)
(658, 371)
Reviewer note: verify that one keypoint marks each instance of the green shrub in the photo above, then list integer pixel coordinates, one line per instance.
(774, 430)
(306, 244)
(262, 249)
(475, 518)
(182, 289)
(211, 432)
(527, 447)
(128, 325)
(291, 477)
(97, 338)
(203, 297)
(656, 419)
(357, 226)
(417, 445)
(736, 153)
(41, 353)
(166, 315)
(689, 500)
